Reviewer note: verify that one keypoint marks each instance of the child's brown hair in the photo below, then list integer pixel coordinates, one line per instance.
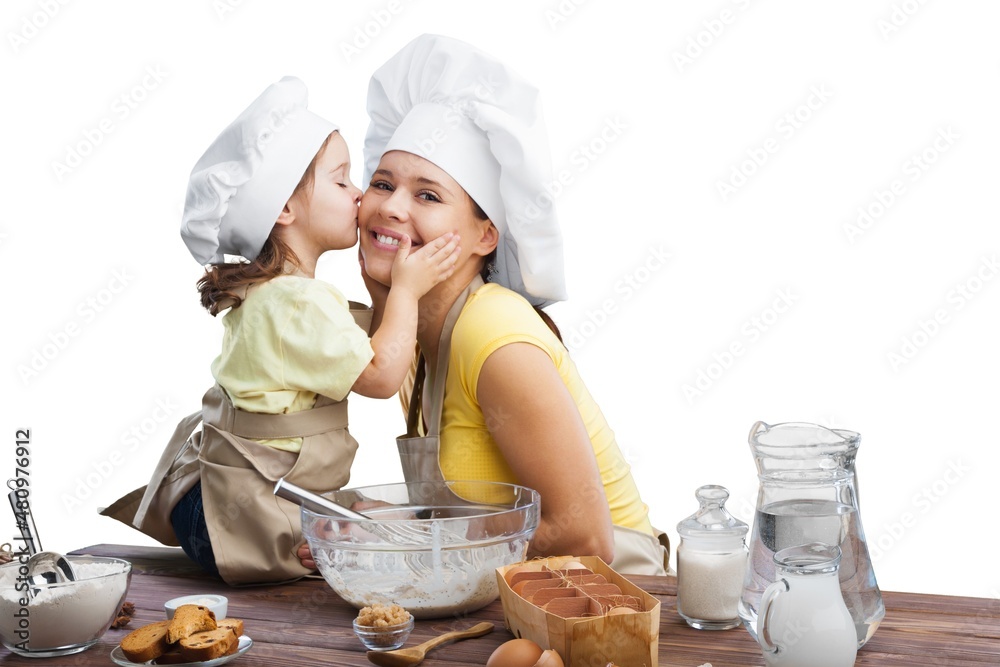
(223, 285)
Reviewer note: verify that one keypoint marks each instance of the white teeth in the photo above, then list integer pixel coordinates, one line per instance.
(387, 239)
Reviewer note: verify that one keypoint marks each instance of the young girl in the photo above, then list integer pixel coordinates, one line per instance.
(274, 192)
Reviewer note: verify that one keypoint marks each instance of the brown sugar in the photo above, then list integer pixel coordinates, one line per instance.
(381, 615)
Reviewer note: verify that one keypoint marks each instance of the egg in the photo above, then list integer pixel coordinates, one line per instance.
(549, 659)
(509, 574)
(517, 653)
(615, 611)
(574, 565)
(519, 587)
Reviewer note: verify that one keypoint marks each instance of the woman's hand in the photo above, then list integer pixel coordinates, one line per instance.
(537, 426)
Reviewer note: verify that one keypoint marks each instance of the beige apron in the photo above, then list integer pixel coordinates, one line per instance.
(636, 552)
(254, 534)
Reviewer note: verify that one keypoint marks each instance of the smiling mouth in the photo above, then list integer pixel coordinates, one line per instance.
(386, 240)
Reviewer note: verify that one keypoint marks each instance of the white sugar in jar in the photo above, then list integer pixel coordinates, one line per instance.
(711, 562)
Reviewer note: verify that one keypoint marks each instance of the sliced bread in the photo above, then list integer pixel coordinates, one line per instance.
(173, 656)
(234, 623)
(189, 619)
(209, 644)
(147, 642)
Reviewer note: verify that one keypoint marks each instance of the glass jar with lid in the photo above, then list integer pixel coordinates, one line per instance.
(711, 561)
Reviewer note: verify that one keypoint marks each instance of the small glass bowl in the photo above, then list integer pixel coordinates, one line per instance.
(217, 604)
(384, 638)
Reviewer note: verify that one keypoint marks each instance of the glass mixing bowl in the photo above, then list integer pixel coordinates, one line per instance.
(48, 620)
(430, 547)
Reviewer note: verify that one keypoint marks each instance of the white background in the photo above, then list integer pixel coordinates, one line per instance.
(105, 346)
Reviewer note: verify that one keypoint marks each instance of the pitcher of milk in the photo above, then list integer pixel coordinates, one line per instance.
(803, 620)
(808, 493)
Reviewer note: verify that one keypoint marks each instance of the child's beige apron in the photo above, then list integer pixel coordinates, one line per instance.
(636, 552)
(254, 534)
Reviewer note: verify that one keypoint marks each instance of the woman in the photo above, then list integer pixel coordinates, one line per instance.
(457, 144)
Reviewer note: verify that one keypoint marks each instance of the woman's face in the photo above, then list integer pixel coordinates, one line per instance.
(410, 195)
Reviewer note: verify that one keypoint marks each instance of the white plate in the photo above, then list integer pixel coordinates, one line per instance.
(245, 643)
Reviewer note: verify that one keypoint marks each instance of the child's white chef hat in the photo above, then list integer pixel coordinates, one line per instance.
(239, 186)
(450, 103)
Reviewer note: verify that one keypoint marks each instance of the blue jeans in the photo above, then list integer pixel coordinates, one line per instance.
(188, 519)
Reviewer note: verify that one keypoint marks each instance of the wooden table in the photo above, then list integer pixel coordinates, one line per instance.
(306, 623)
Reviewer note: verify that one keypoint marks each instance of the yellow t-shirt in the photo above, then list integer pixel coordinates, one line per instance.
(291, 339)
(495, 316)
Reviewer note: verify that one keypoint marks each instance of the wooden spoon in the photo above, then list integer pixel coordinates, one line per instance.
(404, 657)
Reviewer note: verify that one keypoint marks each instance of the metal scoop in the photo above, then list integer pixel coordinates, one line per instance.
(44, 567)
(49, 567)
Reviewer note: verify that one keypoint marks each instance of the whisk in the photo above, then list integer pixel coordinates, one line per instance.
(403, 533)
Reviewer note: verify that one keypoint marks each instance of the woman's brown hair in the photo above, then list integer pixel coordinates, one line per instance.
(224, 285)
(490, 261)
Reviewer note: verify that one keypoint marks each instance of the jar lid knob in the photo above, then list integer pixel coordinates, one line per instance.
(712, 518)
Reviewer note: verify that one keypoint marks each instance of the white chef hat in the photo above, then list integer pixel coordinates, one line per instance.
(462, 109)
(239, 186)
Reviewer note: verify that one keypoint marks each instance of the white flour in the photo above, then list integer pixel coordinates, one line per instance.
(65, 614)
(428, 585)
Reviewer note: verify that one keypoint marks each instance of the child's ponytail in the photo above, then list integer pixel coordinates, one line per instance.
(223, 285)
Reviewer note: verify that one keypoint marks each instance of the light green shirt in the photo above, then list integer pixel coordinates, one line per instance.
(291, 339)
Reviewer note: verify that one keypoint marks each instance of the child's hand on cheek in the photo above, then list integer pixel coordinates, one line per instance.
(425, 268)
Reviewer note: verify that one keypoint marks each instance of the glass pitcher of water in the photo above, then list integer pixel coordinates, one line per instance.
(808, 493)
